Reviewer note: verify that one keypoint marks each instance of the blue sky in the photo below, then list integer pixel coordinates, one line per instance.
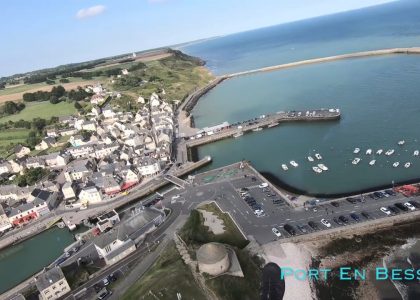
(46, 33)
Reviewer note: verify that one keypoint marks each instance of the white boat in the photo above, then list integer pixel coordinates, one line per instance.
(389, 152)
(284, 166)
(236, 135)
(257, 129)
(355, 161)
(356, 150)
(401, 142)
(323, 167)
(372, 162)
(273, 124)
(416, 153)
(293, 163)
(310, 158)
(407, 165)
(368, 151)
(379, 152)
(318, 156)
(317, 170)
(395, 164)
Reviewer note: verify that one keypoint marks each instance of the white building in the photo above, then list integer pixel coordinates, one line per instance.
(52, 284)
(90, 195)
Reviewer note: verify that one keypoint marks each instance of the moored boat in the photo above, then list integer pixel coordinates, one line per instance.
(323, 167)
(372, 162)
(402, 142)
(368, 151)
(355, 161)
(294, 164)
(236, 135)
(273, 124)
(284, 166)
(317, 170)
(416, 153)
(389, 152)
(379, 152)
(318, 156)
(395, 164)
(356, 150)
(310, 158)
(407, 165)
(257, 129)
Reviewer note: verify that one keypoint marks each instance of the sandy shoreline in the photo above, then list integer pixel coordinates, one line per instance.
(296, 256)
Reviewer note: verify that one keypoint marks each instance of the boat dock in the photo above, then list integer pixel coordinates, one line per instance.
(265, 121)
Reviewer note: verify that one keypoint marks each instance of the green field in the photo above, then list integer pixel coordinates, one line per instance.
(44, 110)
(11, 136)
(167, 277)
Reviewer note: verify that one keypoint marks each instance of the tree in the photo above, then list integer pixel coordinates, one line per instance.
(38, 124)
(54, 100)
(64, 80)
(77, 106)
(58, 91)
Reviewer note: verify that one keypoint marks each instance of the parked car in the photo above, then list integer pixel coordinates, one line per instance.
(394, 209)
(326, 223)
(414, 203)
(290, 229)
(409, 206)
(351, 200)
(343, 219)
(105, 281)
(276, 232)
(385, 210)
(103, 294)
(263, 185)
(355, 217)
(390, 192)
(401, 206)
(338, 221)
(335, 204)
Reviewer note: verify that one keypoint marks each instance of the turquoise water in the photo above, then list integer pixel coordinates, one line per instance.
(21, 261)
(379, 97)
(380, 103)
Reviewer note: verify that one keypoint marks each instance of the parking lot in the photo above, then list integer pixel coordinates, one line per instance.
(257, 208)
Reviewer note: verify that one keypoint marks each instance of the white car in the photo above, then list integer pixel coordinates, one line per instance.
(276, 232)
(409, 206)
(385, 211)
(175, 197)
(263, 185)
(105, 281)
(326, 223)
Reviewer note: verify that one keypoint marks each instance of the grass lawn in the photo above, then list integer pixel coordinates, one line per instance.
(195, 232)
(44, 110)
(11, 136)
(168, 276)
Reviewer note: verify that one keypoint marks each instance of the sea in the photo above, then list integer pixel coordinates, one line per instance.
(379, 98)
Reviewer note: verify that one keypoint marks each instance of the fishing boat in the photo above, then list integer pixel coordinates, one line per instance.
(395, 164)
(356, 150)
(401, 142)
(389, 152)
(257, 129)
(323, 167)
(416, 153)
(368, 151)
(317, 170)
(379, 152)
(407, 165)
(236, 135)
(318, 156)
(273, 124)
(310, 158)
(284, 166)
(355, 161)
(294, 164)
(372, 162)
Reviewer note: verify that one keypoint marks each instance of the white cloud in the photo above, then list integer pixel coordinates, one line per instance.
(90, 12)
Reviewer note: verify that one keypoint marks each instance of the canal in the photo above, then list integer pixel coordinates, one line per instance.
(21, 261)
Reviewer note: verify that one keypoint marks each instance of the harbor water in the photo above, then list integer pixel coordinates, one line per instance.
(19, 262)
(378, 98)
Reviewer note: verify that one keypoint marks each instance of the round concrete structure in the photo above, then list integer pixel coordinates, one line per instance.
(213, 258)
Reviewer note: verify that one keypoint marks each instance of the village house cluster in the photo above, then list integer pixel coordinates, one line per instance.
(109, 152)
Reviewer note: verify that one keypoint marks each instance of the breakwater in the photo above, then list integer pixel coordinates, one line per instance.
(392, 51)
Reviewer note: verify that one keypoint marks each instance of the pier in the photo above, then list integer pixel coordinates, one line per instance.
(265, 121)
(411, 50)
